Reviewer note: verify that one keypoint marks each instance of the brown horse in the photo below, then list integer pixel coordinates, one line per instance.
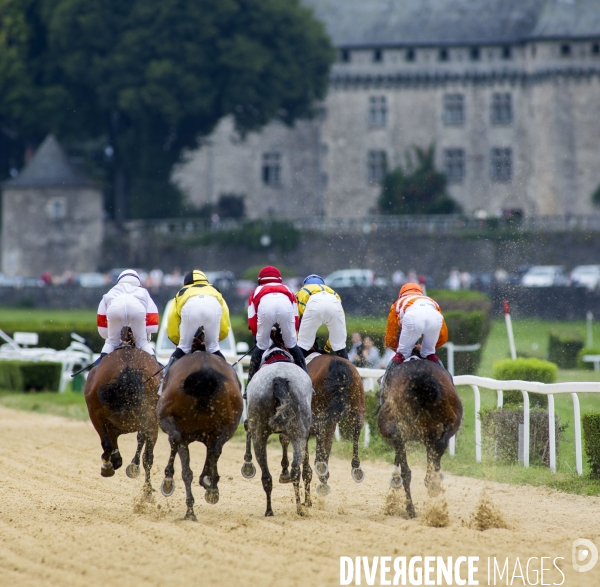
(121, 396)
(339, 396)
(420, 404)
(201, 400)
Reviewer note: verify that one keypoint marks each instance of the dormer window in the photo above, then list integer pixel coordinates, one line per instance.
(565, 50)
(596, 49)
(443, 55)
(377, 56)
(410, 55)
(345, 55)
(506, 53)
(475, 54)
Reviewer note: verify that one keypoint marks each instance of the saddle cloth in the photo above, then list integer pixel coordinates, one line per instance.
(311, 357)
(275, 355)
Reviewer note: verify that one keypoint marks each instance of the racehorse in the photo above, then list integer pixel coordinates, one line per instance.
(339, 395)
(279, 397)
(420, 404)
(201, 400)
(121, 396)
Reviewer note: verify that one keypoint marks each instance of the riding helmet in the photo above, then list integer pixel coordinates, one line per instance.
(269, 274)
(129, 276)
(313, 279)
(411, 287)
(195, 276)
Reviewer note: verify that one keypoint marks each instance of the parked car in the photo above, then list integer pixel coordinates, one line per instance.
(544, 276)
(164, 347)
(586, 276)
(91, 280)
(350, 278)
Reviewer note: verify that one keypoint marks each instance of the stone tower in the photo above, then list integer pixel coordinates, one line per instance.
(52, 217)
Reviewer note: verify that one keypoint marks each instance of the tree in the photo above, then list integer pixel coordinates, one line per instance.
(418, 188)
(151, 76)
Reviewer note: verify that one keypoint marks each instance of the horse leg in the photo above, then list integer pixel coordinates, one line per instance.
(210, 477)
(324, 436)
(248, 468)
(167, 487)
(133, 469)
(111, 458)
(148, 459)
(402, 462)
(307, 478)
(298, 457)
(357, 473)
(260, 451)
(187, 475)
(435, 451)
(285, 463)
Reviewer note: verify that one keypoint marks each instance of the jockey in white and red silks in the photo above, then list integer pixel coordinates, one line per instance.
(127, 304)
(272, 303)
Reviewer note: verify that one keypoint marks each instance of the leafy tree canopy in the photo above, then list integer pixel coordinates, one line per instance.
(152, 75)
(416, 188)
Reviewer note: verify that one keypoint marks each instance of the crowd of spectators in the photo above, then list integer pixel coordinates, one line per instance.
(364, 353)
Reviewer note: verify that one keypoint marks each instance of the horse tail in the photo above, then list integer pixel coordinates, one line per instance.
(336, 384)
(286, 405)
(422, 385)
(126, 392)
(203, 385)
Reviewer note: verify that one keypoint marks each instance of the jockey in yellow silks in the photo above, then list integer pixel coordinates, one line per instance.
(318, 304)
(411, 316)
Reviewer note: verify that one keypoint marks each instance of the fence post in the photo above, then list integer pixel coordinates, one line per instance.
(577, 422)
(551, 433)
(525, 429)
(477, 423)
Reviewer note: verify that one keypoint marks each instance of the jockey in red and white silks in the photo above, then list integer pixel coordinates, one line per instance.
(272, 303)
(127, 304)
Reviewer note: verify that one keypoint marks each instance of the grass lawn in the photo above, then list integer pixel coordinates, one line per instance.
(43, 316)
(69, 404)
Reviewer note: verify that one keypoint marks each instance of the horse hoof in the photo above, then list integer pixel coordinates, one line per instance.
(396, 482)
(269, 514)
(285, 478)
(107, 471)
(323, 489)
(212, 496)
(132, 471)
(248, 470)
(358, 475)
(116, 459)
(167, 487)
(321, 468)
(191, 516)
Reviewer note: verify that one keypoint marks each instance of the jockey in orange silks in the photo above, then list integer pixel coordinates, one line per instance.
(411, 316)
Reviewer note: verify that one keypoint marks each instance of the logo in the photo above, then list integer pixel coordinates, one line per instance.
(584, 550)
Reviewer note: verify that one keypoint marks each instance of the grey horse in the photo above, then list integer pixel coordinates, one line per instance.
(279, 402)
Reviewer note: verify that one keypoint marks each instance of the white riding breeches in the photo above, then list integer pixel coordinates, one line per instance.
(323, 308)
(126, 310)
(421, 319)
(275, 308)
(200, 311)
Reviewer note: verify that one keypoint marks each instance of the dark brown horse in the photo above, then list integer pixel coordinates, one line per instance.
(420, 404)
(201, 400)
(121, 396)
(339, 396)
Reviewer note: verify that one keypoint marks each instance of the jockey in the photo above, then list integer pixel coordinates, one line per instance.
(272, 303)
(414, 315)
(127, 304)
(197, 304)
(317, 305)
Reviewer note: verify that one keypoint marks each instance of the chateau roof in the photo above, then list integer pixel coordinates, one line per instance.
(49, 167)
(368, 23)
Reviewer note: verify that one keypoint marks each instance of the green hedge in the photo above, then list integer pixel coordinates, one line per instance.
(586, 351)
(57, 336)
(30, 376)
(563, 349)
(525, 370)
(591, 437)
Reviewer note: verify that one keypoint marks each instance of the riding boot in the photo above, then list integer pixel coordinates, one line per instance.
(97, 361)
(435, 359)
(219, 354)
(177, 354)
(305, 353)
(298, 357)
(342, 353)
(254, 362)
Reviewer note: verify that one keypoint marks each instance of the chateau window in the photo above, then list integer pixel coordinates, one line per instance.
(475, 54)
(501, 164)
(56, 208)
(345, 56)
(506, 53)
(410, 55)
(376, 166)
(565, 50)
(454, 165)
(377, 111)
(271, 169)
(502, 108)
(596, 49)
(454, 109)
(377, 56)
(443, 55)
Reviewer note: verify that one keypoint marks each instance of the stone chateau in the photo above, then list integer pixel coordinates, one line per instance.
(508, 91)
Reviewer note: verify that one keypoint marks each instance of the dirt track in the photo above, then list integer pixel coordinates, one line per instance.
(62, 524)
